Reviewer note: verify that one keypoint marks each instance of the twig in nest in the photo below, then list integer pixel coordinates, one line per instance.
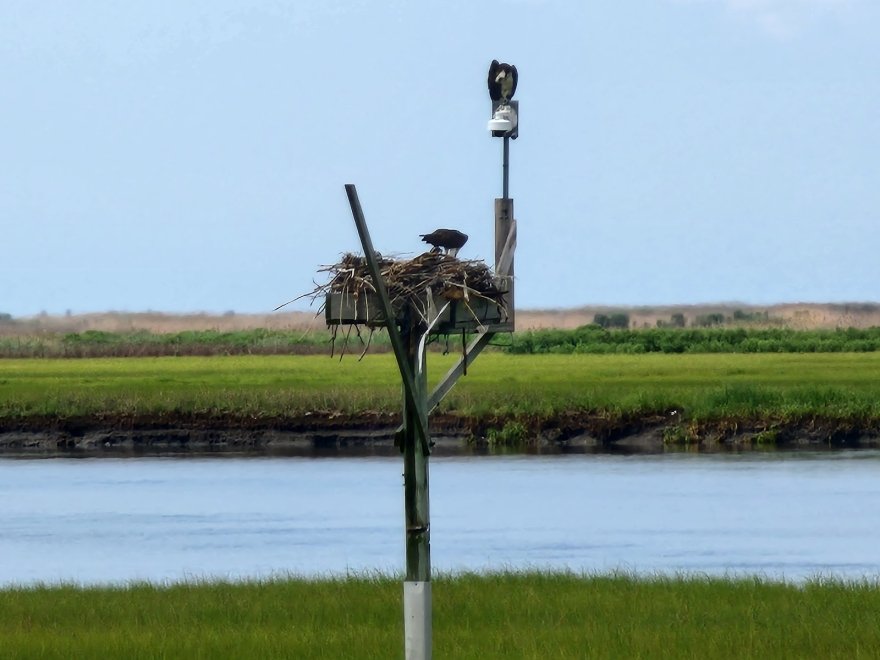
(367, 347)
(345, 343)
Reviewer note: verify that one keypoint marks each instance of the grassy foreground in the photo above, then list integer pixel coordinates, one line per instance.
(778, 386)
(511, 615)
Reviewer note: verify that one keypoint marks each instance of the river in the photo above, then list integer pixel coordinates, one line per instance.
(781, 515)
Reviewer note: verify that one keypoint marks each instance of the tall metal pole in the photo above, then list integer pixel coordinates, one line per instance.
(504, 224)
(505, 169)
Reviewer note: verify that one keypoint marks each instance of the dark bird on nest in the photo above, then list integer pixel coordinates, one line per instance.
(502, 81)
(450, 240)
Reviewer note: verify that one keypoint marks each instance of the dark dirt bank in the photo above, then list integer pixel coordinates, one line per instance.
(334, 431)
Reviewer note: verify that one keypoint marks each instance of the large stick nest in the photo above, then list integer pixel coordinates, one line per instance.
(408, 281)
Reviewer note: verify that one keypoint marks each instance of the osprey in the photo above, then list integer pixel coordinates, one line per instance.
(450, 240)
(502, 81)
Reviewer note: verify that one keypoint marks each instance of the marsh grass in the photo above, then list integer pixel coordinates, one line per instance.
(502, 615)
(43, 338)
(598, 340)
(142, 343)
(772, 386)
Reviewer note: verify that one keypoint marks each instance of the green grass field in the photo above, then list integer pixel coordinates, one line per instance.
(829, 385)
(532, 615)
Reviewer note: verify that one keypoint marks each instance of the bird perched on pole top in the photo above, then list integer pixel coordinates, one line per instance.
(502, 81)
(449, 240)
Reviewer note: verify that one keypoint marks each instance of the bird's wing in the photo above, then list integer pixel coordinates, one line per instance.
(514, 75)
(494, 87)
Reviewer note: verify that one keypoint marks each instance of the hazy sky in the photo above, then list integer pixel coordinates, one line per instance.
(187, 156)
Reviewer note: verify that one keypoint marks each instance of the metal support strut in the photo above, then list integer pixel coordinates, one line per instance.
(505, 169)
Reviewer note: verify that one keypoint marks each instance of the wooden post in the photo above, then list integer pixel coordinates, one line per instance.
(414, 439)
(403, 363)
(417, 585)
(416, 446)
(503, 224)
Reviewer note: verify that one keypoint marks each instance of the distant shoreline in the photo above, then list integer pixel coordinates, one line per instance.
(802, 316)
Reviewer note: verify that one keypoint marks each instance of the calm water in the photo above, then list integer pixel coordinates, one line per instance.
(780, 515)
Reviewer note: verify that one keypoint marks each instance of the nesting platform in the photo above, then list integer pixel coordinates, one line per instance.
(463, 295)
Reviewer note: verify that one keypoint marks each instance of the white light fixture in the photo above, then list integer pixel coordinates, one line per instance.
(503, 121)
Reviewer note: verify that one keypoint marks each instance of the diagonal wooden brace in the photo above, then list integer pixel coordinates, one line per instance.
(413, 400)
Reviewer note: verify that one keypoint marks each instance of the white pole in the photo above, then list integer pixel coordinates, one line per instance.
(417, 620)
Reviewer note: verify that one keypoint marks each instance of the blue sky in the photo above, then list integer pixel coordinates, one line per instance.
(191, 156)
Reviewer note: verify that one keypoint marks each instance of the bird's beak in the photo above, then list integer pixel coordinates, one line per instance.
(502, 74)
